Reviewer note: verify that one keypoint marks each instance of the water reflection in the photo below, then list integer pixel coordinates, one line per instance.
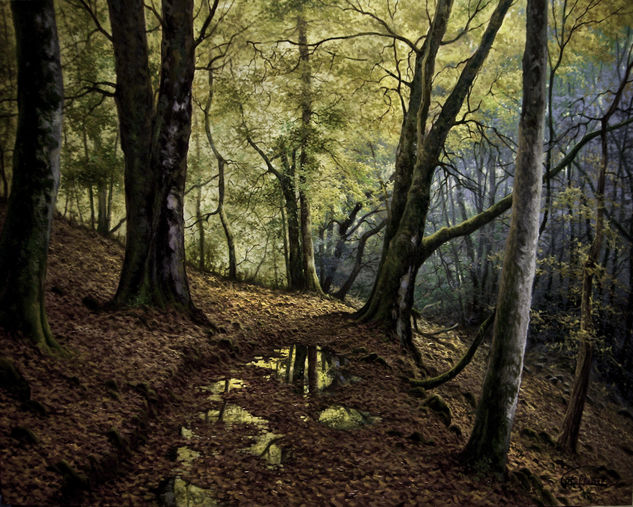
(177, 492)
(231, 414)
(187, 456)
(344, 418)
(222, 386)
(265, 447)
(307, 367)
(265, 442)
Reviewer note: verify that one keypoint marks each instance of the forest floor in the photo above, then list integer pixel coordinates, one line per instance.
(147, 408)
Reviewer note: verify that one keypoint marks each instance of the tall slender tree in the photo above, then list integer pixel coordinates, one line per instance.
(490, 438)
(27, 227)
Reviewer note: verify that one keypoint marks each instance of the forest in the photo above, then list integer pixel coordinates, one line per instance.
(316, 252)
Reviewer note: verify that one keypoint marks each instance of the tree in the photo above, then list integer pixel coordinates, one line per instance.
(220, 211)
(490, 439)
(404, 250)
(27, 227)
(155, 143)
(568, 438)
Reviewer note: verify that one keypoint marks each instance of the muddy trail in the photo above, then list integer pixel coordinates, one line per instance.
(284, 401)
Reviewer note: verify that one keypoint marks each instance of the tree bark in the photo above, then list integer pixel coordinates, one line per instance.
(170, 147)
(226, 226)
(329, 269)
(288, 184)
(36, 171)
(155, 145)
(490, 439)
(311, 279)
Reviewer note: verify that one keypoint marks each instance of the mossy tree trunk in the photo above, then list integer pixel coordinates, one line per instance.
(490, 439)
(311, 278)
(155, 145)
(26, 233)
(405, 247)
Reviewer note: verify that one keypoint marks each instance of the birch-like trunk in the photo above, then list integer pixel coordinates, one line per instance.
(490, 438)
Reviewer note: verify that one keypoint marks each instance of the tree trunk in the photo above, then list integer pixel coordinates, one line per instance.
(329, 268)
(200, 226)
(288, 184)
(392, 298)
(170, 147)
(309, 266)
(103, 215)
(3, 177)
(226, 226)
(27, 227)
(568, 438)
(307, 245)
(296, 278)
(490, 439)
(155, 145)
(347, 284)
(134, 100)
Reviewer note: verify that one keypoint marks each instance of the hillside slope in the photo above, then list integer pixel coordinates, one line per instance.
(149, 408)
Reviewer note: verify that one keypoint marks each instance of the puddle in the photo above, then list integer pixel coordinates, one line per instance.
(307, 367)
(265, 447)
(231, 414)
(177, 492)
(344, 418)
(265, 442)
(222, 386)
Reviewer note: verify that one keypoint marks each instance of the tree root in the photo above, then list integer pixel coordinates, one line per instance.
(431, 382)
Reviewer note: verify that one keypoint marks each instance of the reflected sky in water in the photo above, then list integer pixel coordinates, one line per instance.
(344, 418)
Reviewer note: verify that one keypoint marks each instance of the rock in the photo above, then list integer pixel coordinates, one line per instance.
(529, 433)
(627, 449)
(112, 388)
(546, 438)
(455, 429)
(375, 358)
(228, 344)
(118, 441)
(74, 481)
(112, 385)
(416, 437)
(91, 303)
(626, 413)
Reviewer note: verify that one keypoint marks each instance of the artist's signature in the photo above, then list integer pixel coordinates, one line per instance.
(582, 477)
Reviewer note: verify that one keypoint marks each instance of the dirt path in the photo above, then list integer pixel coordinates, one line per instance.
(143, 407)
(244, 435)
